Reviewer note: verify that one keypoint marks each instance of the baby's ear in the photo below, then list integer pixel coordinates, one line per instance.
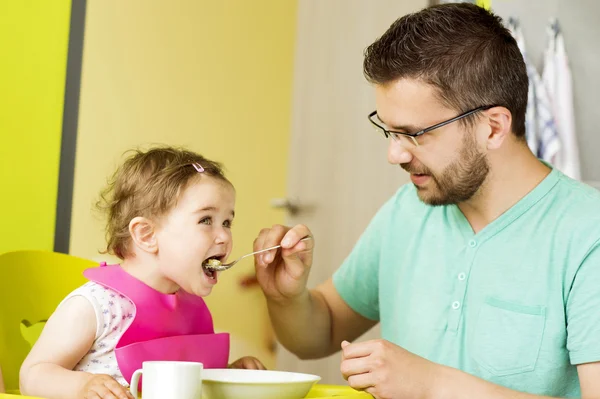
(143, 234)
(31, 332)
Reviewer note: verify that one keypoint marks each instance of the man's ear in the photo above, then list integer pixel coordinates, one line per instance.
(142, 232)
(500, 122)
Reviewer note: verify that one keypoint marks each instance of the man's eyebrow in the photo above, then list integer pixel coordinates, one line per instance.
(408, 128)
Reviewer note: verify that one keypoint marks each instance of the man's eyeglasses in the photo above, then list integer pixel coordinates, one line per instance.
(382, 129)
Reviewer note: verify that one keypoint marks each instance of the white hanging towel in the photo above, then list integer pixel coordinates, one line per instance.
(530, 116)
(540, 129)
(549, 142)
(557, 79)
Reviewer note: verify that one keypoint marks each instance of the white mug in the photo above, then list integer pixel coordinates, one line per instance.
(168, 380)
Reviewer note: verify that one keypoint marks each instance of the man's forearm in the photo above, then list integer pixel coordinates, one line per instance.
(303, 326)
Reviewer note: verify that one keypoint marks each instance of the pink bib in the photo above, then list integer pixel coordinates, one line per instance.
(176, 327)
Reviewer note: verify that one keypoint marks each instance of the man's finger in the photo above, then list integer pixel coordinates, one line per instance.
(294, 235)
(361, 381)
(350, 367)
(358, 349)
(259, 243)
(272, 239)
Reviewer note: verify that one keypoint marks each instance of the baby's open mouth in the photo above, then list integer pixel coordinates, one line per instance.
(209, 263)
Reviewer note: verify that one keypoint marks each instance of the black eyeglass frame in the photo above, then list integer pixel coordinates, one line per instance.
(387, 133)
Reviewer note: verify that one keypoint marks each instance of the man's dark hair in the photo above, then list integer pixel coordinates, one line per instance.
(463, 50)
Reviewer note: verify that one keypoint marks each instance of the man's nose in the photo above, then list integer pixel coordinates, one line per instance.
(398, 152)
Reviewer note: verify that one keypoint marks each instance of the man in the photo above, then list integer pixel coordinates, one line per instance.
(485, 271)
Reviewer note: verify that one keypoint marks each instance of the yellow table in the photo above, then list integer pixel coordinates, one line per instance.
(319, 391)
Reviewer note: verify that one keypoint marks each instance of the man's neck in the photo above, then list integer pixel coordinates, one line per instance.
(507, 184)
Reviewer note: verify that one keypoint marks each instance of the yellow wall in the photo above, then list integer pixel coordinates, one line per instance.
(33, 57)
(215, 76)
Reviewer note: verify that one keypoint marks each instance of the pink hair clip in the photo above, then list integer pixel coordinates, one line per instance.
(198, 167)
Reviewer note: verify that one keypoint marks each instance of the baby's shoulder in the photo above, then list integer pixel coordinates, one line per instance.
(99, 294)
(113, 310)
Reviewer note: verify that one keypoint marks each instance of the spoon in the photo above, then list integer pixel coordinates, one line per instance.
(216, 265)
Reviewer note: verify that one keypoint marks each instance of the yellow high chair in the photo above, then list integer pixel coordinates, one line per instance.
(32, 284)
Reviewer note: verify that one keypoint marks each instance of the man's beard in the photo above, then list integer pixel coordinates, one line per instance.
(459, 181)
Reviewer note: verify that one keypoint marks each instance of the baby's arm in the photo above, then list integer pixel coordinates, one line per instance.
(66, 339)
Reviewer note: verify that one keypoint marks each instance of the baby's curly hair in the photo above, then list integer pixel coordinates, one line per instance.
(148, 184)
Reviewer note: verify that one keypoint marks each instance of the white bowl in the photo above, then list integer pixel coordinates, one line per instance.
(255, 384)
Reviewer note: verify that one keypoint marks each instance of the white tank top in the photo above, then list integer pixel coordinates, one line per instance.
(114, 314)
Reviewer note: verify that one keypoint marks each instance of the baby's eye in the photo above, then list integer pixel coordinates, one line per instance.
(206, 220)
(227, 223)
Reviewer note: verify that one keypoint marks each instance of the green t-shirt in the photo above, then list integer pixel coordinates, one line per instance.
(517, 304)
